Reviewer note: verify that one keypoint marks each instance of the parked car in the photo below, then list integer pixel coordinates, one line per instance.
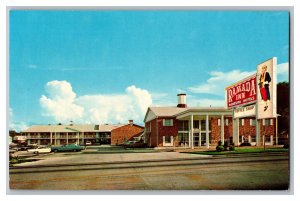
(39, 150)
(12, 145)
(23, 148)
(67, 147)
(134, 144)
(245, 144)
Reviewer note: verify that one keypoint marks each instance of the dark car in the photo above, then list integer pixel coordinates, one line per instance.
(67, 147)
(244, 144)
(134, 144)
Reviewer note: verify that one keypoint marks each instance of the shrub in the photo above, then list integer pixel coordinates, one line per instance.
(220, 148)
(286, 146)
(231, 148)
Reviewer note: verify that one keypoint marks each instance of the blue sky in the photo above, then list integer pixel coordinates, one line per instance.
(109, 66)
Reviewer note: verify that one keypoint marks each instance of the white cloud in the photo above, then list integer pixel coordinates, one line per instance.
(63, 105)
(32, 66)
(282, 72)
(219, 81)
(60, 103)
(16, 126)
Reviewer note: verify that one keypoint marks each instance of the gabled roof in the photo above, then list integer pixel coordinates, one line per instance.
(154, 112)
(167, 111)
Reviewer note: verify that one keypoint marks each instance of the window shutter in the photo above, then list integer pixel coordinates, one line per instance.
(219, 122)
(164, 122)
(271, 122)
(171, 122)
(243, 122)
(264, 122)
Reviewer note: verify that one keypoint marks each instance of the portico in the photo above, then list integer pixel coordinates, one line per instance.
(195, 126)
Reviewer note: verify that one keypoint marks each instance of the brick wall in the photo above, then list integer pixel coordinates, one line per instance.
(216, 130)
(167, 131)
(121, 134)
(245, 130)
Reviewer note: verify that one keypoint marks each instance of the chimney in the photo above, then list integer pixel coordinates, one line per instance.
(130, 121)
(181, 100)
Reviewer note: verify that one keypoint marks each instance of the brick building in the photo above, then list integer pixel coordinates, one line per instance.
(79, 134)
(183, 126)
(126, 132)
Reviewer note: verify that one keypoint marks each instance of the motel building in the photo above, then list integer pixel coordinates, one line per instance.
(195, 127)
(82, 133)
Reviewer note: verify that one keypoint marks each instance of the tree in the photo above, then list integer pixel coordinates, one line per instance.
(283, 106)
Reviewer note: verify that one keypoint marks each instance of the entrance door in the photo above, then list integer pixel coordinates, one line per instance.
(196, 139)
(203, 139)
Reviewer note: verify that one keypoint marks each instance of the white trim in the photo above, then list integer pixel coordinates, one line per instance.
(271, 122)
(171, 122)
(219, 122)
(168, 144)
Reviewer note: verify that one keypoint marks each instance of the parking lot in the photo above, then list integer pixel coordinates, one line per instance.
(153, 170)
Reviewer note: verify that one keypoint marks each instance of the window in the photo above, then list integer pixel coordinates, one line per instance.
(167, 122)
(183, 138)
(252, 122)
(196, 124)
(167, 140)
(267, 122)
(267, 138)
(183, 125)
(203, 125)
(241, 123)
(253, 138)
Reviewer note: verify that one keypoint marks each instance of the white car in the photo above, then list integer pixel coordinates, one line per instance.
(40, 150)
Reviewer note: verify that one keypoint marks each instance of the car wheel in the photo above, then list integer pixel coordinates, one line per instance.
(74, 150)
(55, 150)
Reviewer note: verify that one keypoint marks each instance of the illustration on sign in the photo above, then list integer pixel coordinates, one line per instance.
(266, 99)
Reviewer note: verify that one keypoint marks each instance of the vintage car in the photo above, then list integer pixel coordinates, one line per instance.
(39, 150)
(134, 144)
(67, 147)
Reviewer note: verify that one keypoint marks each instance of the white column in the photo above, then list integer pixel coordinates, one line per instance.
(238, 131)
(257, 132)
(222, 130)
(50, 138)
(192, 131)
(67, 138)
(207, 132)
(235, 131)
(199, 133)
(276, 131)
